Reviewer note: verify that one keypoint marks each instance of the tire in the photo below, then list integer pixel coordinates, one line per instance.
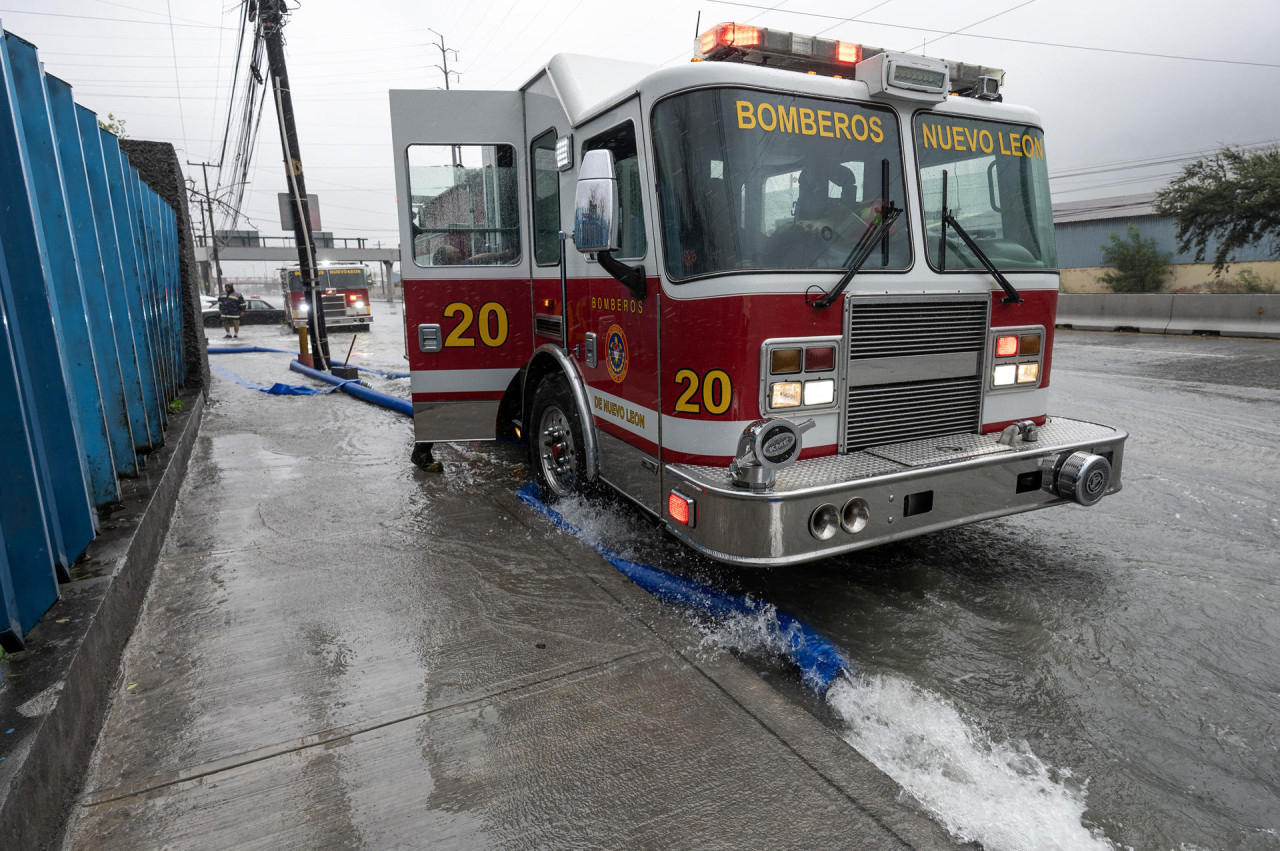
(557, 451)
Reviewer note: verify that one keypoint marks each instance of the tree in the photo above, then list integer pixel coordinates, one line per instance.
(1139, 266)
(112, 125)
(1231, 198)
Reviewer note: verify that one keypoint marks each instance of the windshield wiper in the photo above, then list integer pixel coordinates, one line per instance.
(876, 232)
(861, 252)
(1011, 295)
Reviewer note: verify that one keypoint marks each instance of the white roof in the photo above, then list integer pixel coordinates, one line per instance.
(585, 84)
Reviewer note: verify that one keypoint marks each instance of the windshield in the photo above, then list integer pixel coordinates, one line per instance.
(997, 190)
(763, 180)
(329, 279)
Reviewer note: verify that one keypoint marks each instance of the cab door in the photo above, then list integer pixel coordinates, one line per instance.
(460, 180)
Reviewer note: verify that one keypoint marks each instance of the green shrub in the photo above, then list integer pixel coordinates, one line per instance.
(1139, 266)
(1245, 281)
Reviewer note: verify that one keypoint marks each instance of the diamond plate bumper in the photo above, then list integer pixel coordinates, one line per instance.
(910, 489)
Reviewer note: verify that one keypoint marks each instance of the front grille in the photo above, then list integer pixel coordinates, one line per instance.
(917, 328)
(910, 337)
(335, 306)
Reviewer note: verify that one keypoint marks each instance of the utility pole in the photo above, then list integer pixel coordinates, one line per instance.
(444, 58)
(206, 274)
(444, 69)
(272, 14)
(213, 242)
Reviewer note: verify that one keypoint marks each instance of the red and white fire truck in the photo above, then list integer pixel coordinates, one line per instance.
(811, 306)
(344, 293)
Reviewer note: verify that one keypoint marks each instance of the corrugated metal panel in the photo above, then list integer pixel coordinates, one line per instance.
(1080, 243)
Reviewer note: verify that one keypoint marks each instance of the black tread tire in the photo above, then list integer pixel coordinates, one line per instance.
(553, 393)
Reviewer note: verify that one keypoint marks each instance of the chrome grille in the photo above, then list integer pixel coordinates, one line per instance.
(932, 402)
(917, 328)
(334, 305)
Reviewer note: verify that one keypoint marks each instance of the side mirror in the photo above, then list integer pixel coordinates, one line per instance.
(595, 216)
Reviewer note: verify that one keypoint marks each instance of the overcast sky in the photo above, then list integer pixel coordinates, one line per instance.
(1119, 83)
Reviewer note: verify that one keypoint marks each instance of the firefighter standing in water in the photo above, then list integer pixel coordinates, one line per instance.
(231, 308)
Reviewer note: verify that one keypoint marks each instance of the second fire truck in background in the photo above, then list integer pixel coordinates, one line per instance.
(344, 292)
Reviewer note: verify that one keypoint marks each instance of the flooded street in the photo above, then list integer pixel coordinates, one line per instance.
(1079, 677)
(1073, 678)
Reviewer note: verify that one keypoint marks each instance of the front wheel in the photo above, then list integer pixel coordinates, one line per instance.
(557, 450)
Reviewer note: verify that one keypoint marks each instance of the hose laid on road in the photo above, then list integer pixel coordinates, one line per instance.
(818, 660)
(241, 350)
(354, 388)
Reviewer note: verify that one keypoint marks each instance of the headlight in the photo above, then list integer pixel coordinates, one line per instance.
(785, 394)
(1017, 356)
(821, 392)
(304, 307)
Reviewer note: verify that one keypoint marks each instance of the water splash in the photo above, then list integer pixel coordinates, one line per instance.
(999, 794)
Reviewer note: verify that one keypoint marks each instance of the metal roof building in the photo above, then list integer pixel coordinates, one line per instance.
(1083, 227)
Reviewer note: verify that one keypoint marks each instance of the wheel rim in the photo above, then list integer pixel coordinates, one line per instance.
(556, 452)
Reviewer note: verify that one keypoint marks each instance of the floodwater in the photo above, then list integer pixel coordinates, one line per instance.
(1072, 678)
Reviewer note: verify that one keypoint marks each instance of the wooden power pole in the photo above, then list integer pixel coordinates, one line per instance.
(272, 15)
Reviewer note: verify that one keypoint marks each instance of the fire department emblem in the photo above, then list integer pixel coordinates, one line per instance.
(615, 343)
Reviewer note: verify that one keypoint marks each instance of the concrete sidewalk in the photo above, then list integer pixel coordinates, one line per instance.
(340, 650)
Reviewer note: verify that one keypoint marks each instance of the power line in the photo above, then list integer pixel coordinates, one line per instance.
(177, 81)
(1010, 40)
(1151, 162)
(111, 20)
(975, 23)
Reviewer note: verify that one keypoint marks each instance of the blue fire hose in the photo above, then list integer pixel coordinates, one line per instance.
(818, 660)
(356, 389)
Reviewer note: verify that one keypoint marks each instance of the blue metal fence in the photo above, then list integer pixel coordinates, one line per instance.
(90, 330)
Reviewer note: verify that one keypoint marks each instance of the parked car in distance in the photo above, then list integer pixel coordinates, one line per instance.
(257, 311)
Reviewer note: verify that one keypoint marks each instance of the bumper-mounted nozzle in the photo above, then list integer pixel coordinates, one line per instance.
(764, 447)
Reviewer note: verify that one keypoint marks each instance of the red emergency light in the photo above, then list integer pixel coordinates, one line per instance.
(729, 35)
(352, 296)
(850, 53)
(779, 48)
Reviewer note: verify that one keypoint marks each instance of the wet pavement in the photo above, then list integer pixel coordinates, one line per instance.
(1101, 677)
(341, 650)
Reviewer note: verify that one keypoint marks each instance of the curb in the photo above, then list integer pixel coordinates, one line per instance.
(56, 692)
(797, 729)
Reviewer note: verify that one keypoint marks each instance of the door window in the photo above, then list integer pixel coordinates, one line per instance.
(462, 205)
(546, 200)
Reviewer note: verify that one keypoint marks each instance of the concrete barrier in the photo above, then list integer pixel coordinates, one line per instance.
(1173, 313)
(1229, 315)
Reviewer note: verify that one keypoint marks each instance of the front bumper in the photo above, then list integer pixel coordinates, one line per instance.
(909, 489)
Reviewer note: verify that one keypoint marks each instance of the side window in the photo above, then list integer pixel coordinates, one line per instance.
(545, 186)
(622, 141)
(463, 205)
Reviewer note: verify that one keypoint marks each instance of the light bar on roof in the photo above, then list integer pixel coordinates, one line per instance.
(777, 48)
(903, 75)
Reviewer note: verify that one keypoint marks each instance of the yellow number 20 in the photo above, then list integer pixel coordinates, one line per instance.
(717, 392)
(492, 325)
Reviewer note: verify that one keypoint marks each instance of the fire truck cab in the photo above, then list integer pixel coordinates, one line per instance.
(344, 294)
(795, 298)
